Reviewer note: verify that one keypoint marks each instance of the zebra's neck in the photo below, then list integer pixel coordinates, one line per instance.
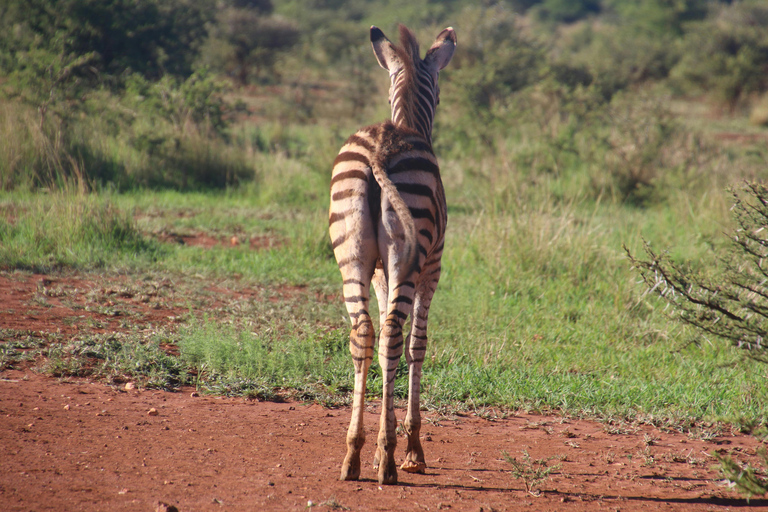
(414, 100)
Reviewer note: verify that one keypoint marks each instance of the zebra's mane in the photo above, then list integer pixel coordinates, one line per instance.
(408, 51)
(409, 45)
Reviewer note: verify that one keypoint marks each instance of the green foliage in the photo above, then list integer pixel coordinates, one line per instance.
(726, 54)
(55, 53)
(118, 102)
(496, 60)
(636, 149)
(196, 99)
(660, 16)
(127, 109)
(619, 56)
(32, 155)
(566, 11)
(159, 134)
(245, 41)
(147, 36)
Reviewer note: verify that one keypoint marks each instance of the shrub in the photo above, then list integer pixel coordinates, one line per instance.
(731, 300)
(34, 152)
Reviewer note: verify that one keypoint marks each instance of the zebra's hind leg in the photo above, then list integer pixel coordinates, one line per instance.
(414, 454)
(415, 350)
(361, 347)
(357, 282)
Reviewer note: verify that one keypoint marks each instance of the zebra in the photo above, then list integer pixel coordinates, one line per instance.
(387, 224)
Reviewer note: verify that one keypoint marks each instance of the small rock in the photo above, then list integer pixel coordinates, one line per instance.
(152, 412)
(194, 394)
(164, 507)
(129, 386)
(66, 407)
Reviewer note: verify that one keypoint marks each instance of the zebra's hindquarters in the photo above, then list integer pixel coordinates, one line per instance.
(387, 206)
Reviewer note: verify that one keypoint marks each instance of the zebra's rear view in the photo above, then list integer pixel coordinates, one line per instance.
(387, 226)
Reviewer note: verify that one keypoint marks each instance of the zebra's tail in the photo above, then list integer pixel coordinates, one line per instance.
(388, 188)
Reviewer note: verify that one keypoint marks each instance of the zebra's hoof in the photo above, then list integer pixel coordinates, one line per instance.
(410, 466)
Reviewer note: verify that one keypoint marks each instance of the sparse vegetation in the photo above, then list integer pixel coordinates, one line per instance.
(533, 472)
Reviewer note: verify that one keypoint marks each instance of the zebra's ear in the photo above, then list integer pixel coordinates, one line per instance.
(384, 51)
(439, 55)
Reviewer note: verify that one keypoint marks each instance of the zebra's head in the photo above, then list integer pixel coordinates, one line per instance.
(414, 92)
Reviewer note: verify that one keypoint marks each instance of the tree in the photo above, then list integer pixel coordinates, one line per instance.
(246, 39)
(54, 51)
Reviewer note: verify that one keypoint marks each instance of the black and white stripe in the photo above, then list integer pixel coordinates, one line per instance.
(387, 225)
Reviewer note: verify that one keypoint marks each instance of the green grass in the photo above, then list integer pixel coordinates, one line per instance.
(537, 307)
(116, 358)
(288, 358)
(70, 230)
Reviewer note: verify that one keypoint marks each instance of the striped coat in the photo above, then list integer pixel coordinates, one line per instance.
(387, 225)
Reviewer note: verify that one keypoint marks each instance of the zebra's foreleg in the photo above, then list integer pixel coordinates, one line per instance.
(382, 293)
(414, 455)
(381, 288)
